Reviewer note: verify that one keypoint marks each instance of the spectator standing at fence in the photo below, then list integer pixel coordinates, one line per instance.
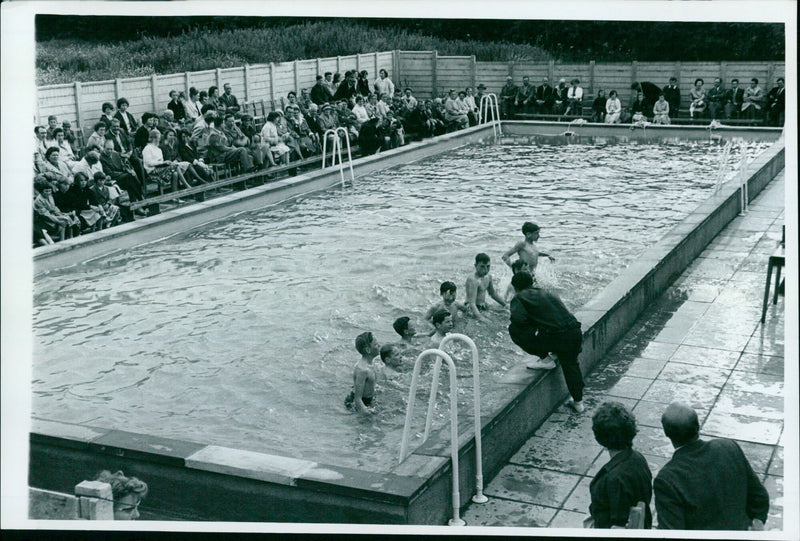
(706, 485)
(661, 111)
(108, 114)
(121, 171)
(613, 108)
(599, 106)
(228, 102)
(348, 89)
(753, 100)
(575, 99)
(126, 120)
(508, 94)
(337, 80)
(128, 492)
(625, 480)
(524, 100)
(698, 96)
(716, 100)
(52, 124)
(672, 93)
(383, 85)
(776, 104)
(363, 84)
(329, 86)
(733, 100)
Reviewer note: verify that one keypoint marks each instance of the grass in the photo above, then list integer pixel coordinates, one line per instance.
(67, 61)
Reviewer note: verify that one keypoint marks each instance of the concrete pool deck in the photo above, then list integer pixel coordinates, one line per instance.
(700, 342)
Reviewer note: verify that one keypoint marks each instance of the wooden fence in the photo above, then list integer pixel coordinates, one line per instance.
(81, 102)
(427, 73)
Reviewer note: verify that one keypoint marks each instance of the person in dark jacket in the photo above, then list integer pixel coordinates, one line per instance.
(650, 94)
(348, 89)
(625, 480)
(672, 93)
(706, 485)
(776, 104)
(541, 325)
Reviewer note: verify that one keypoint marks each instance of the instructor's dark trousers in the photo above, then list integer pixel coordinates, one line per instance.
(566, 344)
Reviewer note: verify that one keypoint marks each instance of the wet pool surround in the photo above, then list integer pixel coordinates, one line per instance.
(194, 481)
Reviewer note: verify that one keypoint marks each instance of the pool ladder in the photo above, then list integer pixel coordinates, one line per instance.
(336, 150)
(488, 105)
(440, 355)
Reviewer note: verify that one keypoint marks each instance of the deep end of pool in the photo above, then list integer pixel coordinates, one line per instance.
(195, 481)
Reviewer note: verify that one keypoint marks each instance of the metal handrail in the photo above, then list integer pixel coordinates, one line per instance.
(337, 145)
(456, 496)
(577, 121)
(742, 176)
(488, 104)
(723, 166)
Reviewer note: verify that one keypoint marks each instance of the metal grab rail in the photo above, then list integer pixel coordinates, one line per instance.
(456, 496)
(577, 122)
(742, 177)
(723, 166)
(489, 104)
(337, 146)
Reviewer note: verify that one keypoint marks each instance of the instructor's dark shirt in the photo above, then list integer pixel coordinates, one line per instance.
(537, 308)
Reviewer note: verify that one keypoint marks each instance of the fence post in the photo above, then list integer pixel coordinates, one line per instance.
(358, 63)
(219, 80)
(511, 68)
(78, 111)
(318, 68)
(434, 74)
(338, 62)
(770, 75)
(272, 85)
(296, 80)
(474, 73)
(375, 64)
(117, 89)
(551, 72)
(186, 83)
(634, 70)
(677, 73)
(592, 90)
(723, 69)
(154, 92)
(246, 83)
(395, 65)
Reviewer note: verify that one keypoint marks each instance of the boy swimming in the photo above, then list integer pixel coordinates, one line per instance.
(443, 323)
(448, 292)
(478, 284)
(405, 328)
(360, 398)
(526, 249)
(391, 360)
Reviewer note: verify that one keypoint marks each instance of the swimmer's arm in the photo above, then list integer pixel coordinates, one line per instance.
(431, 311)
(515, 250)
(358, 391)
(462, 307)
(548, 256)
(491, 291)
(472, 295)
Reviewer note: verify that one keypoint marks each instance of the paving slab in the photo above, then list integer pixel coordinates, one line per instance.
(580, 498)
(694, 375)
(568, 519)
(646, 368)
(532, 485)
(696, 396)
(499, 512)
(749, 404)
(742, 427)
(705, 356)
(557, 455)
(776, 465)
(755, 382)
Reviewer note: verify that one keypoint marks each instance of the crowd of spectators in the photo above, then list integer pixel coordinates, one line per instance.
(649, 103)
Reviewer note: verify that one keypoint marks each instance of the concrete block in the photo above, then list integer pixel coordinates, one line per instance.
(96, 509)
(272, 468)
(50, 505)
(94, 489)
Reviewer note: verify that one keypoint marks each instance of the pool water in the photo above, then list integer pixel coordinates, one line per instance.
(241, 333)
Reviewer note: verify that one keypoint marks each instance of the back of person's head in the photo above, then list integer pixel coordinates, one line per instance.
(481, 258)
(155, 135)
(517, 265)
(206, 108)
(229, 116)
(192, 92)
(386, 351)
(108, 144)
(614, 426)
(80, 176)
(680, 423)
(447, 286)
(400, 325)
(121, 485)
(92, 157)
(521, 280)
(41, 184)
(363, 342)
(440, 316)
(272, 116)
(99, 176)
(529, 227)
(107, 107)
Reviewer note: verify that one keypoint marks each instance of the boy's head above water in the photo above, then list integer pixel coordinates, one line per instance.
(404, 327)
(530, 229)
(366, 344)
(482, 264)
(520, 266)
(388, 356)
(448, 292)
(442, 321)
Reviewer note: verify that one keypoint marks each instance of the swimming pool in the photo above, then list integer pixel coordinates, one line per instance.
(241, 333)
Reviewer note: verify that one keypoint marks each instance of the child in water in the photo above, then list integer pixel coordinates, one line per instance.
(526, 248)
(448, 292)
(360, 398)
(517, 266)
(443, 323)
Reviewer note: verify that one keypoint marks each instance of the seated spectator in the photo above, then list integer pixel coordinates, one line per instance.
(103, 199)
(167, 122)
(202, 99)
(383, 85)
(108, 114)
(159, 170)
(637, 108)
(55, 169)
(52, 125)
(472, 107)
(287, 136)
(625, 480)
(237, 139)
(89, 165)
(599, 106)
(206, 120)
(371, 105)
(698, 96)
(63, 201)
(348, 90)
(40, 148)
(715, 97)
(256, 144)
(57, 223)
(508, 95)
(329, 86)
(308, 140)
(69, 136)
(337, 80)
(175, 106)
(454, 115)
(432, 121)
(327, 120)
(384, 105)
(65, 153)
(409, 101)
(438, 112)
(195, 171)
(228, 102)
(269, 134)
(544, 98)
(142, 137)
(82, 200)
(118, 137)
(613, 108)
(126, 121)
(304, 101)
(525, 99)
(753, 100)
(220, 151)
(97, 140)
(560, 103)
(127, 492)
(373, 136)
(776, 104)
(119, 169)
(733, 100)
(360, 111)
(320, 92)
(672, 93)
(463, 107)
(574, 99)
(347, 119)
(213, 97)
(363, 84)
(191, 108)
(661, 111)
(650, 94)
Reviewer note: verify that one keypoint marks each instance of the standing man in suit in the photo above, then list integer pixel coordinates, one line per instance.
(706, 485)
(733, 100)
(776, 104)
(672, 93)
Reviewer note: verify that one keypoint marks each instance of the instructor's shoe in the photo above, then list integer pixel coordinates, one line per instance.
(541, 364)
(576, 406)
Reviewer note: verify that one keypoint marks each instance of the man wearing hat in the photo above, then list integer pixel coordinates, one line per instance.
(481, 91)
(507, 96)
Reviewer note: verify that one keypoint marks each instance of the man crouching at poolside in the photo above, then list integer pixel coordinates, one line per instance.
(478, 284)
(360, 398)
